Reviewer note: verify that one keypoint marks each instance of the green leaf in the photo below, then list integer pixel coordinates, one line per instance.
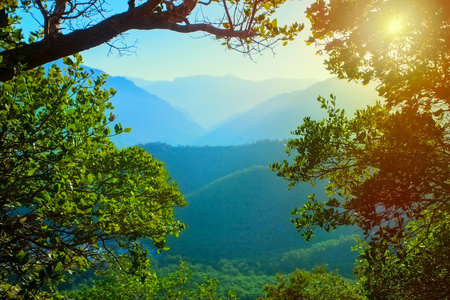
(68, 61)
(59, 267)
(117, 129)
(22, 88)
(106, 131)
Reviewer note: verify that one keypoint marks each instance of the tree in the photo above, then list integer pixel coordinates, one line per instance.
(387, 174)
(69, 199)
(388, 167)
(389, 164)
(314, 285)
(244, 25)
(422, 274)
(129, 279)
(401, 44)
(384, 169)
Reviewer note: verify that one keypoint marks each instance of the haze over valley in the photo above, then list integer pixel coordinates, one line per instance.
(221, 111)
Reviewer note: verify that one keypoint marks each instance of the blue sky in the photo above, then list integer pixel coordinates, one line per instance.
(165, 55)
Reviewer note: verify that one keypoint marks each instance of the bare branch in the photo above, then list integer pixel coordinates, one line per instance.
(44, 15)
(230, 22)
(55, 19)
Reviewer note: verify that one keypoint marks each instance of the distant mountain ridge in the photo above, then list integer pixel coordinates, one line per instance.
(150, 118)
(195, 167)
(278, 116)
(213, 99)
(153, 119)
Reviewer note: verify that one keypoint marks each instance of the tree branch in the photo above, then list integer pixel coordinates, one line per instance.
(141, 17)
(230, 22)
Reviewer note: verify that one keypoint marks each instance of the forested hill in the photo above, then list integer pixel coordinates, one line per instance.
(239, 209)
(194, 167)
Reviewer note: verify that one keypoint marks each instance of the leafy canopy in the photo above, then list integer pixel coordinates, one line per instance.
(317, 284)
(131, 277)
(68, 197)
(387, 168)
(422, 274)
(388, 165)
(400, 44)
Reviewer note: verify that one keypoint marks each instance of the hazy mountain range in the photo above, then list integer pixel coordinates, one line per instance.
(150, 118)
(211, 100)
(276, 117)
(219, 111)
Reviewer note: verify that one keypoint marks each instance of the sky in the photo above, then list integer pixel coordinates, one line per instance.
(165, 55)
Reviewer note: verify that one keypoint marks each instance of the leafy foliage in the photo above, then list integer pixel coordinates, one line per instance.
(68, 197)
(422, 274)
(386, 170)
(9, 35)
(128, 280)
(317, 284)
(388, 167)
(401, 44)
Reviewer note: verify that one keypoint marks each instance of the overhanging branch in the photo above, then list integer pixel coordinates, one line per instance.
(220, 33)
(142, 17)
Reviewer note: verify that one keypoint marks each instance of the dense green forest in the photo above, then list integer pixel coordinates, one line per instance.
(195, 167)
(238, 218)
(238, 221)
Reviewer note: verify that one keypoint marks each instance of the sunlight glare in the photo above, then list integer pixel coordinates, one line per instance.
(394, 26)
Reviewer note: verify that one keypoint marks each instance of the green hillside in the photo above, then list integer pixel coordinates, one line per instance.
(238, 217)
(194, 167)
(245, 214)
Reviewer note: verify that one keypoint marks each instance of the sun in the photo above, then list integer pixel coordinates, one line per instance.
(394, 26)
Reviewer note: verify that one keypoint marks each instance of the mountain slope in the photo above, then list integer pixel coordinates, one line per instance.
(237, 207)
(278, 116)
(211, 100)
(243, 215)
(151, 118)
(194, 167)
